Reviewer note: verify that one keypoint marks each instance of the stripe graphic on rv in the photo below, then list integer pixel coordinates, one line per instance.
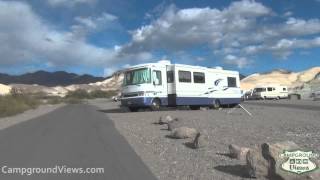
(216, 82)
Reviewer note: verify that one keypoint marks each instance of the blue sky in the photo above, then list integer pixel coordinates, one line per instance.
(101, 36)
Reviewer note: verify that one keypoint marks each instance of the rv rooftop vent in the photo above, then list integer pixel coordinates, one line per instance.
(218, 67)
(164, 62)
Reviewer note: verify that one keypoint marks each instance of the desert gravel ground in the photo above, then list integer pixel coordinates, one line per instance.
(27, 115)
(171, 159)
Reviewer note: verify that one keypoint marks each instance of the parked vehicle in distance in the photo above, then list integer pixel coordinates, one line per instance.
(270, 92)
(315, 95)
(247, 95)
(164, 84)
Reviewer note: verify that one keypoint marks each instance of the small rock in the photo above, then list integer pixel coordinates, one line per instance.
(183, 133)
(165, 120)
(314, 175)
(264, 161)
(238, 152)
(176, 123)
(257, 166)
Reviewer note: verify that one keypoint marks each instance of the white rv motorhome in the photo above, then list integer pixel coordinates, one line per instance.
(165, 84)
(270, 92)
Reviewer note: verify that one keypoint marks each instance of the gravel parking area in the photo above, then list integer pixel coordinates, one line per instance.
(171, 159)
(27, 115)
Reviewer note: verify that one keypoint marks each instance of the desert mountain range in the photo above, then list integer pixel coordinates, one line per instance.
(49, 79)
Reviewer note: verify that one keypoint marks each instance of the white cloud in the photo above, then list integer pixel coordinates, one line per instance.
(109, 71)
(200, 59)
(69, 3)
(288, 13)
(240, 62)
(95, 22)
(177, 29)
(283, 48)
(239, 29)
(91, 24)
(26, 38)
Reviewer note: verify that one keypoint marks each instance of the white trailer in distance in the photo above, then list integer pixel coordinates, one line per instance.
(164, 84)
(270, 92)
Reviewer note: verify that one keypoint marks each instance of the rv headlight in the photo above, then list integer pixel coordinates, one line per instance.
(149, 93)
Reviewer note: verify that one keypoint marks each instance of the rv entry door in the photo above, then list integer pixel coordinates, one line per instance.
(159, 84)
(171, 86)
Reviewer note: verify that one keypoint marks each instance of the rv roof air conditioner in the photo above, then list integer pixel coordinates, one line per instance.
(164, 62)
(218, 67)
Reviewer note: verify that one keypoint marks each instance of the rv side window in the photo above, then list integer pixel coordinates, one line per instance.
(232, 82)
(284, 89)
(269, 89)
(184, 76)
(157, 79)
(198, 77)
(260, 89)
(170, 76)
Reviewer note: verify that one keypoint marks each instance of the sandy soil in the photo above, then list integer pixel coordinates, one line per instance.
(171, 159)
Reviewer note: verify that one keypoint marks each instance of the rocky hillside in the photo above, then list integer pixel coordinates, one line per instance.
(282, 77)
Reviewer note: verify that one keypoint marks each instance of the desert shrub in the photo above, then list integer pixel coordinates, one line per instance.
(39, 95)
(54, 100)
(72, 100)
(16, 103)
(78, 94)
(102, 94)
(83, 94)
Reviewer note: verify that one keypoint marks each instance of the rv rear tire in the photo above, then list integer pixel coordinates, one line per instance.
(194, 107)
(133, 109)
(216, 104)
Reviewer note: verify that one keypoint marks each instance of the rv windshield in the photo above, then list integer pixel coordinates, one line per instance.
(137, 76)
(259, 89)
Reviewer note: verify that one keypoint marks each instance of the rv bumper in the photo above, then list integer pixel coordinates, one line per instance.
(136, 101)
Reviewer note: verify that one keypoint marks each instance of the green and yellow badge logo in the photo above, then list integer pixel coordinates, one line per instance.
(298, 161)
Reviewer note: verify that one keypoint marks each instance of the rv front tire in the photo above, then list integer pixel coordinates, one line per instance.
(155, 105)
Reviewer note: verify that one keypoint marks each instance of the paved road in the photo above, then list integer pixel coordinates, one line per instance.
(74, 136)
(285, 105)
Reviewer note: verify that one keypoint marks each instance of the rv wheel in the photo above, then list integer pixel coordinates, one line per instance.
(133, 109)
(216, 104)
(155, 105)
(194, 107)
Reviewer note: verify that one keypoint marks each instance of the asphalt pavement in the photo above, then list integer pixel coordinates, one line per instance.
(75, 136)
